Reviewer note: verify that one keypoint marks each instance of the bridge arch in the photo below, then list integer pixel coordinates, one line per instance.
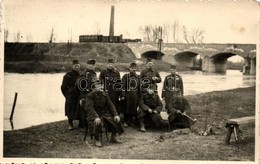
(218, 62)
(185, 58)
(157, 55)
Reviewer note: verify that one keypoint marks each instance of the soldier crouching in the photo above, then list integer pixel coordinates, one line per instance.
(178, 110)
(100, 110)
(149, 110)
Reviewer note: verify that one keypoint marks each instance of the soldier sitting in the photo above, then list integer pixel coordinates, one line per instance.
(149, 110)
(178, 108)
(99, 108)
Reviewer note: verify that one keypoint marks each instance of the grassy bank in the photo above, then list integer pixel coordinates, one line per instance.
(55, 67)
(53, 140)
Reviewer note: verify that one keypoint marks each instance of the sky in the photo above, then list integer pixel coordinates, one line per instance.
(223, 21)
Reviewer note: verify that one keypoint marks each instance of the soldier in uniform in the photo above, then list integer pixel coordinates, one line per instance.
(112, 83)
(149, 110)
(85, 84)
(100, 109)
(172, 86)
(177, 110)
(131, 94)
(149, 77)
(68, 90)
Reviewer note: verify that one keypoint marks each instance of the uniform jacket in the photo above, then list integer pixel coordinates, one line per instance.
(85, 83)
(112, 84)
(99, 105)
(146, 78)
(131, 92)
(147, 102)
(172, 84)
(68, 90)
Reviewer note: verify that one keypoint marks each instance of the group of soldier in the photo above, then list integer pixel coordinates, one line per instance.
(119, 103)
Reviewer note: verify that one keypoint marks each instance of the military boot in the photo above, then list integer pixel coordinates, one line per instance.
(113, 138)
(97, 141)
(142, 128)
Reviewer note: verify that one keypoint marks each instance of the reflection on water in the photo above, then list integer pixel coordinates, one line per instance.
(40, 99)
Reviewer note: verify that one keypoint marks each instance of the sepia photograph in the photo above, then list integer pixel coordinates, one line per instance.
(121, 81)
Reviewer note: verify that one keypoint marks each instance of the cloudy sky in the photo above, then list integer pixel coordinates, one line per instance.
(223, 21)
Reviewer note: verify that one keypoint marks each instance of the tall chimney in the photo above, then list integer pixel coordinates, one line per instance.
(111, 28)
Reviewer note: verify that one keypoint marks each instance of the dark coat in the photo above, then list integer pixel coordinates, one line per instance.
(172, 86)
(178, 120)
(112, 84)
(84, 84)
(146, 78)
(99, 105)
(69, 91)
(131, 92)
(153, 102)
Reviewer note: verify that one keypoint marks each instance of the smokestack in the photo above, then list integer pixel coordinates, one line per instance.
(111, 29)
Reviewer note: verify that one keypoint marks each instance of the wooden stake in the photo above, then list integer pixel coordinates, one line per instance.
(13, 108)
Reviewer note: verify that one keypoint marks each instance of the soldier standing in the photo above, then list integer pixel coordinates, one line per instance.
(172, 86)
(149, 77)
(112, 83)
(131, 94)
(149, 110)
(69, 91)
(85, 84)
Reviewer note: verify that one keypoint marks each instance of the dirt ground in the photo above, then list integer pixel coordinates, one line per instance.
(53, 140)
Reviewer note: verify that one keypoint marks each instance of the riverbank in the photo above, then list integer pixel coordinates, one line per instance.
(53, 140)
(57, 67)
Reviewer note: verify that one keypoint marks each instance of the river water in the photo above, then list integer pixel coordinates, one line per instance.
(40, 99)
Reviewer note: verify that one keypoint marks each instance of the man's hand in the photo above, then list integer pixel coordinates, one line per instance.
(155, 111)
(97, 121)
(81, 102)
(154, 78)
(122, 98)
(178, 111)
(150, 111)
(117, 119)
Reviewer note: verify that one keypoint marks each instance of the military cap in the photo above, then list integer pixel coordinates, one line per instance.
(133, 64)
(75, 62)
(148, 60)
(91, 61)
(172, 66)
(110, 60)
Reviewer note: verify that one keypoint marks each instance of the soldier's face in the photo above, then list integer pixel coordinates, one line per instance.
(133, 69)
(91, 66)
(149, 65)
(98, 87)
(173, 71)
(76, 67)
(110, 65)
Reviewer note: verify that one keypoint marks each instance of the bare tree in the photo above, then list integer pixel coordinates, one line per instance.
(175, 31)
(145, 32)
(96, 28)
(6, 34)
(166, 31)
(197, 35)
(28, 38)
(185, 34)
(52, 36)
(17, 37)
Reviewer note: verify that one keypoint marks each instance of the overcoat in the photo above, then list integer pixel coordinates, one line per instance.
(69, 91)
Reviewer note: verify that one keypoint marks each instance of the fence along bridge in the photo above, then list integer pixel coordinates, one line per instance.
(213, 56)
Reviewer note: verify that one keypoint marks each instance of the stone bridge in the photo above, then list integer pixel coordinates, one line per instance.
(213, 57)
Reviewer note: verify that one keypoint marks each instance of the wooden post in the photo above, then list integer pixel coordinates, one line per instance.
(228, 136)
(13, 108)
